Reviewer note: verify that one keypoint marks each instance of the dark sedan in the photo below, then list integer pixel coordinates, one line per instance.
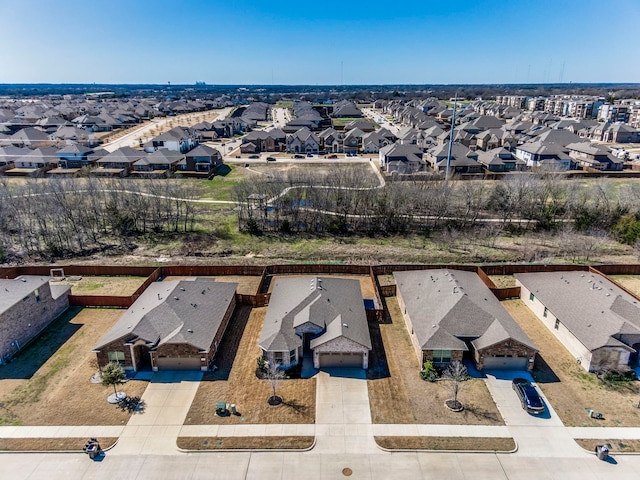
(528, 394)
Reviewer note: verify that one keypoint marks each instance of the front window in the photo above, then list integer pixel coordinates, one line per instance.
(292, 356)
(278, 358)
(441, 356)
(532, 297)
(117, 357)
(546, 311)
(557, 325)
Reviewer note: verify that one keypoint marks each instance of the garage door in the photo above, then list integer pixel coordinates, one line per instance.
(176, 363)
(341, 359)
(506, 363)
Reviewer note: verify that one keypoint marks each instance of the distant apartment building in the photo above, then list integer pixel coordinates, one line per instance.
(614, 113)
(535, 104)
(517, 101)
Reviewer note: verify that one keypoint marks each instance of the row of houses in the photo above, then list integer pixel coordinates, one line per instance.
(450, 315)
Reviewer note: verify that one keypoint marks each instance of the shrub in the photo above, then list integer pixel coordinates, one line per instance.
(429, 371)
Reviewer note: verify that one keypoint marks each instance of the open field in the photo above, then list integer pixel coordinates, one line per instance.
(235, 381)
(247, 285)
(65, 444)
(482, 444)
(48, 382)
(88, 285)
(399, 395)
(568, 387)
(245, 443)
(630, 282)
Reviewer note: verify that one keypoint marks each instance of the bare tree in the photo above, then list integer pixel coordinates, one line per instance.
(275, 375)
(455, 374)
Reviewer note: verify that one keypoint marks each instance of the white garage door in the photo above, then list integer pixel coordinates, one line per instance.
(341, 359)
(506, 363)
(176, 363)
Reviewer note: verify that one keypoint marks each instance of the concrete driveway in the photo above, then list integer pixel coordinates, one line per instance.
(536, 435)
(166, 402)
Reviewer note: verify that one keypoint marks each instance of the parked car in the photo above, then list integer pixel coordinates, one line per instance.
(254, 156)
(332, 156)
(271, 159)
(297, 155)
(529, 398)
(309, 154)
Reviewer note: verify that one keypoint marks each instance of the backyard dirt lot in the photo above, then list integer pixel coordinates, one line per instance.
(246, 285)
(366, 285)
(235, 381)
(119, 286)
(567, 386)
(399, 395)
(48, 383)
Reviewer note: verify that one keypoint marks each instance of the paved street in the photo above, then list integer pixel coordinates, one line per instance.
(344, 439)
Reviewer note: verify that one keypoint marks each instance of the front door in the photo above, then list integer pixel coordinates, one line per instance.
(143, 358)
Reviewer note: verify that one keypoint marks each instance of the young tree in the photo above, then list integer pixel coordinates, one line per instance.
(275, 375)
(455, 374)
(113, 374)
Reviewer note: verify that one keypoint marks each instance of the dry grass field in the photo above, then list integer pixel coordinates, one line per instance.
(397, 394)
(245, 443)
(235, 381)
(481, 444)
(503, 281)
(568, 387)
(88, 285)
(630, 282)
(48, 382)
(60, 444)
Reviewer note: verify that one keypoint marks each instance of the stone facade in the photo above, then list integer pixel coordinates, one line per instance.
(508, 348)
(340, 345)
(23, 321)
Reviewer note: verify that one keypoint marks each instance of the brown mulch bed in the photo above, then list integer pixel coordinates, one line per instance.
(617, 445)
(235, 382)
(67, 444)
(567, 386)
(484, 444)
(48, 383)
(246, 443)
(397, 394)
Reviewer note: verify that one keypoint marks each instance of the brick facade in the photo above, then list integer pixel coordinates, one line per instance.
(23, 321)
(456, 355)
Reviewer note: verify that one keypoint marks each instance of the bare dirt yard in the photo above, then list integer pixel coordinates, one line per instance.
(630, 282)
(247, 285)
(568, 387)
(397, 394)
(235, 382)
(88, 285)
(503, 281)
(366, 285)
(48, 382)
(243, 443)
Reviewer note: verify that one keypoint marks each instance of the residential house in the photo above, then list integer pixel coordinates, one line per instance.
(319, 316)
(74, 156)
(451, 315)
(402, 159)
(34, 163)
(173, 325)
(372, 142)
(463, 160)
(500, 160)
(162, 162)
(119, 162)
(303, 141)
(596, 321)
(346, 109)
(177, 139)
(31, 137)
(28, 304)
(591, 155)
(352, 141)
(202, 159)
(615, 133)
(331, 140)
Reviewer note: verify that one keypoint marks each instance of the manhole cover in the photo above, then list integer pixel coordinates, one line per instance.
(347, 472)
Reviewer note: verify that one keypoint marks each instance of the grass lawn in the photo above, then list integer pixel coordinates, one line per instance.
(503, 281)
(397, 394)
(617, 445)
(235, 382)
(245, 443)
(567, 386)
(88, 285)
(630, 282)
(48, 382)
(341, 122)
(483, 444)
(66, 444)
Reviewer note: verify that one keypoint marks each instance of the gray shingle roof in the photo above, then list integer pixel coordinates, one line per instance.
(334, 304)
(447, 306)
(177, 312)
(591, 307)
(13, 290)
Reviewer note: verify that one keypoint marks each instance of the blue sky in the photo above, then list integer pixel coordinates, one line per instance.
(323, 42)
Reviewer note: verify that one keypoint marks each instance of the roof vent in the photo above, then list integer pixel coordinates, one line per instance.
(176, 298)
(182, 288)
(345, 325)
(189, 330)
(159, 297)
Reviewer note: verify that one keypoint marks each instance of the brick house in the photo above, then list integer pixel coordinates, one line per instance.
(452, 315)
(173, 325)
(322, 317)
(28, 304)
